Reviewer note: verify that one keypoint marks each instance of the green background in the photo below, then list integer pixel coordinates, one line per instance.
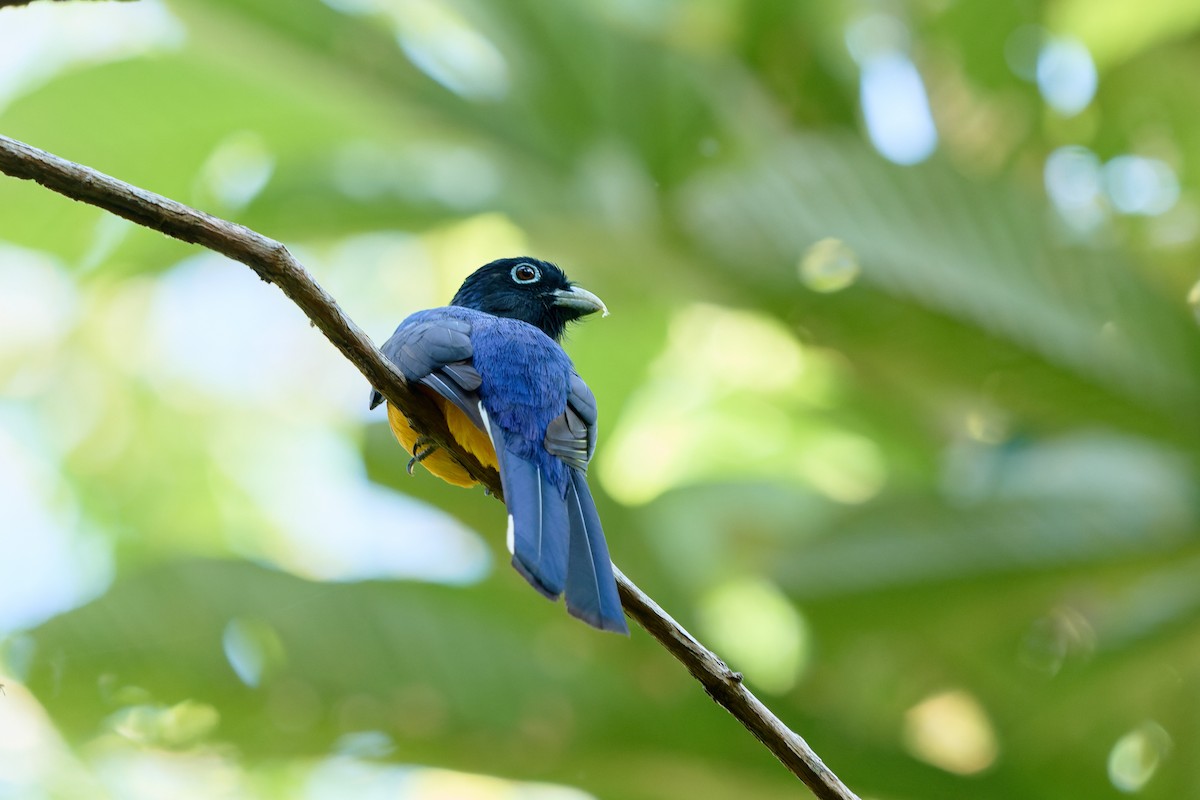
(913, 446)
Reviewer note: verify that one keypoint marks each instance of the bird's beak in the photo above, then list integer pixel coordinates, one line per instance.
(580, 300)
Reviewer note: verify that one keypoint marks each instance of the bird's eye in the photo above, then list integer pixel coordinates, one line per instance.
(525, 273)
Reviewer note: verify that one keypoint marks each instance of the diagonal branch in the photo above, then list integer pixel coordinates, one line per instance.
(267, 257)
(4, 3)
(274, 264)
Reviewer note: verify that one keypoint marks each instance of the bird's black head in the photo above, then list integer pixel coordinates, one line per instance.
(527, 289)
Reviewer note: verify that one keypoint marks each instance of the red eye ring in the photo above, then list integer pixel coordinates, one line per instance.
(525, 273)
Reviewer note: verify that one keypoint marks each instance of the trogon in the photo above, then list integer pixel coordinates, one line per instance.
(492, 363)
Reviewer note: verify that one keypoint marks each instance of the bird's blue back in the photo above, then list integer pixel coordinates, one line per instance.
(526, 377)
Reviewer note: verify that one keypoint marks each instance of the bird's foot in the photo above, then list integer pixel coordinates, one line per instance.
(423, 448)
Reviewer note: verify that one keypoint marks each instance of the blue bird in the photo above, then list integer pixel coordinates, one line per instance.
(492, 363)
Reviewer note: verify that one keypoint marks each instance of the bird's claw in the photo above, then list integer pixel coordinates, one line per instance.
(423, 448)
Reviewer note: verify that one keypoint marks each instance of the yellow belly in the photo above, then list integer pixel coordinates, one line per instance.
(441, 463)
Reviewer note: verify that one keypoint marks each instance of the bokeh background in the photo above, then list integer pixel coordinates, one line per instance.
(900, 397)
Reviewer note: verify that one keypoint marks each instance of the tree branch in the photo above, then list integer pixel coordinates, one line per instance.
(4, 3)
(274, 264)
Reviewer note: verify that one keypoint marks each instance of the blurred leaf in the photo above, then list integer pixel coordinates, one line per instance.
(1114, 32)
(1027, 392)
(1085, 314)
(488, 679)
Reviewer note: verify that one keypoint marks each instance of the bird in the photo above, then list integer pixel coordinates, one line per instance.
(493, 363)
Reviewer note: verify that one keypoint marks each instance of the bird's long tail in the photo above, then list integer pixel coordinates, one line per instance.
(559, 545)
(537, 523)
(591, 588)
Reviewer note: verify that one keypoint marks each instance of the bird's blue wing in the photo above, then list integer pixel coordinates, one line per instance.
(572, 435)
(434, 348)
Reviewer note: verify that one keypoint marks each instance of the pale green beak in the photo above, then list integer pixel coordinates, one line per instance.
(580, 300)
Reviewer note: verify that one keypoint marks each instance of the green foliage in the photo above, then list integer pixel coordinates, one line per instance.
(943, 440)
